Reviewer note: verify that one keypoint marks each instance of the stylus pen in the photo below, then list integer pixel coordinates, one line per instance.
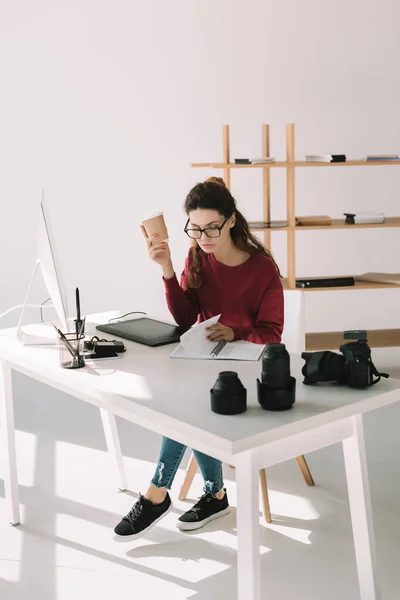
(78, 320)
(78, 305)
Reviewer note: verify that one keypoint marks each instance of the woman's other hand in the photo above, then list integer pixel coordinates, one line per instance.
(219, 332)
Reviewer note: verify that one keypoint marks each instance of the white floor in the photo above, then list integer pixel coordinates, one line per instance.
(64, 549)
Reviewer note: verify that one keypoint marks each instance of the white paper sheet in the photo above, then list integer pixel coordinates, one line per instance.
(195, 340)
(195, 345)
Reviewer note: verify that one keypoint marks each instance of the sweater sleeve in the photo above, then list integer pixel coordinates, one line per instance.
(268, 324)
(183, 302)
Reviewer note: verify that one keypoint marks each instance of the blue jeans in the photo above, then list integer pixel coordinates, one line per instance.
(170, 458)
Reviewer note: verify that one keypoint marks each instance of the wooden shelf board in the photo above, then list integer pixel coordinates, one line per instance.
(297, 163)
(331, 340)
(220, 165)
(348, 163)
(335, 224)
(341, 224)
(359, 285)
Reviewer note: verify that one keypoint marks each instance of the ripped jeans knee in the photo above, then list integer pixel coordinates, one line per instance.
(169, 460)
(211, 469)
(160, 469)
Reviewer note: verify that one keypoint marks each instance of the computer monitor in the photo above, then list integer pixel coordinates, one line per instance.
(47, 260)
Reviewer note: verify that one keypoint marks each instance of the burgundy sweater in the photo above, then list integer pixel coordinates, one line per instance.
(249, 297)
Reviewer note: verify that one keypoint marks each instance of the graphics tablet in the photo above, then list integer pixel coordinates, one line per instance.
(144, 331)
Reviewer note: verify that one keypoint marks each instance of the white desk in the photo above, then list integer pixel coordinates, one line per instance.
(171, 397)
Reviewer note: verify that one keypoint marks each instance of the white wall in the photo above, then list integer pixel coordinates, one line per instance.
(105, 104)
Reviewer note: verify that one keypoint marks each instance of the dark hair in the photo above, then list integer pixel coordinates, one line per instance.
(214, 195)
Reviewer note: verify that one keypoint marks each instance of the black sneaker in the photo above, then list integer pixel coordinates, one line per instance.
(141, 518)
(205, 510)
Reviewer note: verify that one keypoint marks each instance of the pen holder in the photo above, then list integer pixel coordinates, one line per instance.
(71, 351)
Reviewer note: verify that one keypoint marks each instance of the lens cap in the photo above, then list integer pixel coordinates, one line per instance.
(228, 396)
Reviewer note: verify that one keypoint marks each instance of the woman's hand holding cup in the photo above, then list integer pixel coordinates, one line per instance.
(159, 252)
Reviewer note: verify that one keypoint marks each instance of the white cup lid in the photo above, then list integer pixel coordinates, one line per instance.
(156, 214)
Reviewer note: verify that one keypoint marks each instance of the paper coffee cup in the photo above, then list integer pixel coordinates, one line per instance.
(156, 224)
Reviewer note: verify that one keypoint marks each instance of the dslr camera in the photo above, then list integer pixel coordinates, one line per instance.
(353, 367)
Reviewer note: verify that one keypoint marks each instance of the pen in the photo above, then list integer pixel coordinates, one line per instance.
(77, 357)
(217, 349)
(82, 326)
(70, 348)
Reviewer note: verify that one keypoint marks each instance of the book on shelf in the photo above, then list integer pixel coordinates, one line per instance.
(318, 158)
(377, 157)
(393, 278)
(325, 158)
(313, 220)
(267, 224)
(262, 160)
(364, 217)
(255, 161)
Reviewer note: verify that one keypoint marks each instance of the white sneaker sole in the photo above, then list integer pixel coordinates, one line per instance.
(137, 536)
(183, 526)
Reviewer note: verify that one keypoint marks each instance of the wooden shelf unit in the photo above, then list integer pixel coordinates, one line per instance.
(313, 341)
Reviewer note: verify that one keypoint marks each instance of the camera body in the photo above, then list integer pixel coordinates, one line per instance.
(354, 368)
(357, 364)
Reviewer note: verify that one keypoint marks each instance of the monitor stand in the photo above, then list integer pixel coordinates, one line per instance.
(39, 333)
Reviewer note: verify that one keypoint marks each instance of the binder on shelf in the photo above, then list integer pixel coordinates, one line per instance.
(321, 282)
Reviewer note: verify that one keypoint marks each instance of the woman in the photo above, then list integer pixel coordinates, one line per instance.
(227, 272)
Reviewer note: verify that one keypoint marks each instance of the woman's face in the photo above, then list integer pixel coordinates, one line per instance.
(210, 220)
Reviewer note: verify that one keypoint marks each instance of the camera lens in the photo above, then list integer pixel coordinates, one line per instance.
(277, 389)
(276, 366)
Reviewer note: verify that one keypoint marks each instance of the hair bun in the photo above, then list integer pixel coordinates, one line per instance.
(218, 180)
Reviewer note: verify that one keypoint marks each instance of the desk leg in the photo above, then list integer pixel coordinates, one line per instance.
(113, 445)
(7, 432)
(248, 528)
(361, 511)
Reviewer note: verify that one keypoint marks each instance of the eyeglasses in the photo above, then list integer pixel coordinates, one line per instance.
(211, 232)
